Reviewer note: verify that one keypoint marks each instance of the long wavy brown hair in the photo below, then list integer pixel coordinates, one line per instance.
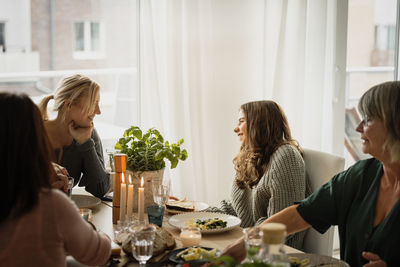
(267, 130)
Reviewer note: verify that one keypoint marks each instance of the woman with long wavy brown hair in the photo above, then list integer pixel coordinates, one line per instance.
(270, 171)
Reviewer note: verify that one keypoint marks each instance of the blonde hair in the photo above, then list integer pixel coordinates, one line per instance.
(383, 101)
(72, 88)
(267, 130)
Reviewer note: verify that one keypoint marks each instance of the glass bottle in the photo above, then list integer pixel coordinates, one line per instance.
(272, 250)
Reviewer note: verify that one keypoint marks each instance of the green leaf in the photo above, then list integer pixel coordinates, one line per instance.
(137, 133)
(118, 146)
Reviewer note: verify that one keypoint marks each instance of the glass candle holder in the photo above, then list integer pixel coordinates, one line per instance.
(190, 236)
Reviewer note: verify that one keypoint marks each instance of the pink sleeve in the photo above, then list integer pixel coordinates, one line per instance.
(80, 239)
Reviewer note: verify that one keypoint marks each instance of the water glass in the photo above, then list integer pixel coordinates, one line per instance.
(155, 214)
(86, 214)
(253, 240)
(142, 238)
(70, 185)
(120, 231)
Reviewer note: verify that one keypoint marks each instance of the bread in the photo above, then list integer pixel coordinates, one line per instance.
(163, 241)
(179, 205)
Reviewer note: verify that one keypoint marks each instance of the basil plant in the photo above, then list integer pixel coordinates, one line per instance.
(147, 152)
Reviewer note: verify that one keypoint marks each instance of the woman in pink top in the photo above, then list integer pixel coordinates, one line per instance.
(38, 225)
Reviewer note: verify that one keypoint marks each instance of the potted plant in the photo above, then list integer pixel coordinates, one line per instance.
(146, 154)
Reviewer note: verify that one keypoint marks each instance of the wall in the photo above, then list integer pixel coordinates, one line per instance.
(16, 14)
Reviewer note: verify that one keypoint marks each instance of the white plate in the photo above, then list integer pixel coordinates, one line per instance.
(85, 201)
(181, 220)
(198, 206)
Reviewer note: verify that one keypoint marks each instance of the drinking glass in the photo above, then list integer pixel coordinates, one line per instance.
(155, 214)
(142, 238)
(86, 214)
(253, 240)
(70, 185)
(161, 191)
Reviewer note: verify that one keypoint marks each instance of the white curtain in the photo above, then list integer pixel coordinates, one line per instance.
(202, 59)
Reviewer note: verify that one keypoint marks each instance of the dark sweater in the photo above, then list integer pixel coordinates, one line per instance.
(85, 163)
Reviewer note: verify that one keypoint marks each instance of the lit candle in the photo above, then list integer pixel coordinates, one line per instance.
(129, 205)
(190, 236)
(141, 201)
(122, 211)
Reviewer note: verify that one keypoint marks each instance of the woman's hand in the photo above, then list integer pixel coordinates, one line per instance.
(61, 181)
(79, 133)
(236, 250)
(374, 260)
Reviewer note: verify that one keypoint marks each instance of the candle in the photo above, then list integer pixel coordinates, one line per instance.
(190, 236)
(129, 205)
(122, 211)
(141, 201)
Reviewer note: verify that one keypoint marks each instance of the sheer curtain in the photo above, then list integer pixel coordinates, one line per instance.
(201, 59)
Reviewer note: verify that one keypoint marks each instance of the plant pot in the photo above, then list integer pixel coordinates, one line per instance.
(149, 177)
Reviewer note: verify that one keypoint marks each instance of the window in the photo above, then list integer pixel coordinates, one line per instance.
(370, 60)
(88, 40)
(38, 57)
(384, 37)
(2, 37)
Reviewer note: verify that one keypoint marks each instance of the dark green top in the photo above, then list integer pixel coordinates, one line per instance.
(348, 200)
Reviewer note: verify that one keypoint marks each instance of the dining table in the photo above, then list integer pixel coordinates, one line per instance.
(102, 220)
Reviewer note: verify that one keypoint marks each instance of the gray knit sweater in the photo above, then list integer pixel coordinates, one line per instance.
(283, 183)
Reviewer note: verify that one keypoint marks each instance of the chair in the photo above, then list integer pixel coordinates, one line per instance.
(320, 168)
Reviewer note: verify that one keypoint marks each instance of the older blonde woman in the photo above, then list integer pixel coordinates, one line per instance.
(76, 144)
(364, 200)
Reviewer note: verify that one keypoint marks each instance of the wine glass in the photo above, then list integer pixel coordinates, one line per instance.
(253, 240)
(161, 191)
(142, 238)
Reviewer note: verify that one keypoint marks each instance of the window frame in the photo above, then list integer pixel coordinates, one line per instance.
(87, 52)
(396, 74)
(4, 45)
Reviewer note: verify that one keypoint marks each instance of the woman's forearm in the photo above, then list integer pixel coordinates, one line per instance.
(291, 218)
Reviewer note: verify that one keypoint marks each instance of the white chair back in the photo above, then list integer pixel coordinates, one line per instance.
(320, 168)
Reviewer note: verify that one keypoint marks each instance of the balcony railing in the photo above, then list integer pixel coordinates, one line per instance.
(352, 101)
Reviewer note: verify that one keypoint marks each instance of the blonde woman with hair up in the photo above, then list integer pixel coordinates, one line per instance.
(75, 141)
